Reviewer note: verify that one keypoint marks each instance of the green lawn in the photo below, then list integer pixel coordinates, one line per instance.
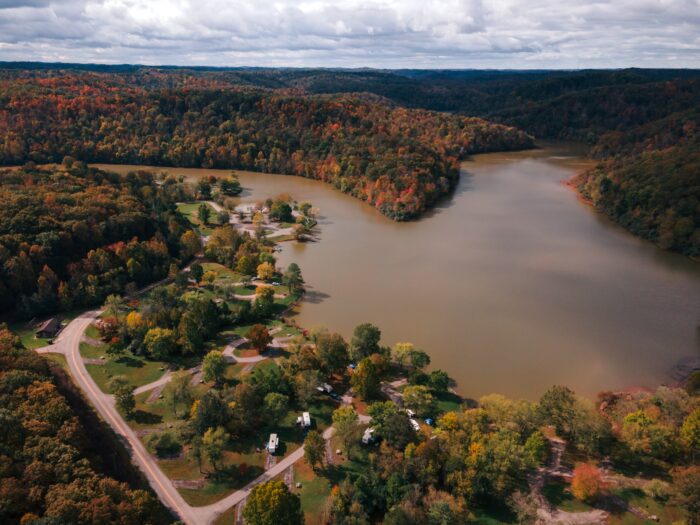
(241, 464)
(190, 209)
(160, 414)
(313, 493)
(136, 369)
(448, 402)
(666, 513)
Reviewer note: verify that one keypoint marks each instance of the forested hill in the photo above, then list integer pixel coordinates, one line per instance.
(399, 160)
(641, 124)
(71, 235)
(49, 474)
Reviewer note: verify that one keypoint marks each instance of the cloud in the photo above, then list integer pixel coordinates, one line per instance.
(355, 33)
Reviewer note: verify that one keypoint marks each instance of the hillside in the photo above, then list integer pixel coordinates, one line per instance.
(48, 473)
(399, 160)
(71, 235)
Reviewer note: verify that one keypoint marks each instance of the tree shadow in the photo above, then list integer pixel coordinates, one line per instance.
(130, 361)
(315, 296)
(146, 418)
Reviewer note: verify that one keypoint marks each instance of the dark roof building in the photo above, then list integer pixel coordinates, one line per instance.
(48, 328)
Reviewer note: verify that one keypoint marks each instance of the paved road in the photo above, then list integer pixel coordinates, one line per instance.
(68, 344)
(238, 496)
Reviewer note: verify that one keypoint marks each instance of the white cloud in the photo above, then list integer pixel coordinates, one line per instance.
(355, 33)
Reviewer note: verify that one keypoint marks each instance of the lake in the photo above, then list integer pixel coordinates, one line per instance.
(511, 284)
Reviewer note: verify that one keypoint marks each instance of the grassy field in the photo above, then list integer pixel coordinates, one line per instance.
(240, 465)
(665, 512)
(136, 369)
(189, 210)
(313, 493)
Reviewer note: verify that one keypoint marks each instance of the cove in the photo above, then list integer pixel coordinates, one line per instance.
(511, 284)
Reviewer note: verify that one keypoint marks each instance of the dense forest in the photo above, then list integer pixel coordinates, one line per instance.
(399, 160)
(348, 127)
(47, 476)
(71, 235)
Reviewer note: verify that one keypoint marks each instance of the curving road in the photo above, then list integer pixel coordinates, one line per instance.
(68, 344)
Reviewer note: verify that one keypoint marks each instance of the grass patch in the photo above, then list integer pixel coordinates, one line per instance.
(636, 497)
(314, 492)
(448, 402)
(190, 210)
(137, 370)
(59, 359)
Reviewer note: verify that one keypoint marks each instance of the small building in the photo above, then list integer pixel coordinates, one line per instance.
(49, 328)
(273, 443)
(368, 436)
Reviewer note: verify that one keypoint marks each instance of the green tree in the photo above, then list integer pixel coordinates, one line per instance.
(365, 341)
(314, 449)
(196, 271)
(293, 279)
(271, 503)
(160, 343)
(281, 211)
(332, 351)
(204, 213)
(245, 265)
(365, 379)
(439, 381)
(264, 301)
(419, 398)
(231, 186)
(214, 367)
(276, 406)
(123, 394)
(213, 446)
(345, 421)
(178, 391)
(557, 407)
(305, 383)
(114, 304)
(393, 426)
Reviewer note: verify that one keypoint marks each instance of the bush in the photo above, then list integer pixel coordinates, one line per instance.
(164, 444)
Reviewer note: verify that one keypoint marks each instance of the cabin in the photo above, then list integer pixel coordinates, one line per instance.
(49, 328)
(273, 443)
(368, 436)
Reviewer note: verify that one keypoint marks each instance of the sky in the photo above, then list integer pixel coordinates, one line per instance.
(498, 34)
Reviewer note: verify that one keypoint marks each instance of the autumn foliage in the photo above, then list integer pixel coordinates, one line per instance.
(398, 160)
(46, 472)
(587, 482)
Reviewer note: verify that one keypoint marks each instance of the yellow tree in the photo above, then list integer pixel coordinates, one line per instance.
(266, 271)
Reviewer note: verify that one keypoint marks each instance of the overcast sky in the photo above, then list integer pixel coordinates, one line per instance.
(356, 33)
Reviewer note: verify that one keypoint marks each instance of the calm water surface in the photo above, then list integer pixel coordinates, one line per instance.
(511, 285)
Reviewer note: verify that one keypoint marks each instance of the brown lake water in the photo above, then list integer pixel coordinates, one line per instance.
(511, 284)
